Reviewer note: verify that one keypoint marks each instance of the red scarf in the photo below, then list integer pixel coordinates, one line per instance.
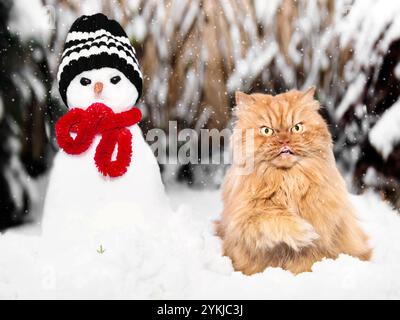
(99, 119)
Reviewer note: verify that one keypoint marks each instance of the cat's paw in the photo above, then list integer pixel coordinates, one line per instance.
(300, 235)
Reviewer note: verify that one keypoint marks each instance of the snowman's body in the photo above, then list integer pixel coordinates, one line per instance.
(79, 196)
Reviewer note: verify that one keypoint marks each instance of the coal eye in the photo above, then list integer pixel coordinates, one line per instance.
(85, 81)
(298, 128)
(115, 80)
(266, 131)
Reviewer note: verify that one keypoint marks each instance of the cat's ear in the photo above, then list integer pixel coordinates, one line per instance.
(243, 101)
(309, 94)
(308, 99)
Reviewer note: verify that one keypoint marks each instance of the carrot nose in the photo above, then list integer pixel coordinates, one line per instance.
(98, 87)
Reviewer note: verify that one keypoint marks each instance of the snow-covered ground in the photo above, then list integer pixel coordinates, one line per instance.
(179, 258)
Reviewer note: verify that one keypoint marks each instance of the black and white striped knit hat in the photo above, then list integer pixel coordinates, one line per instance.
(95, 42)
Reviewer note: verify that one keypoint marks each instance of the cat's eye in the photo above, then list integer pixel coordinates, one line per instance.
(265, 131)
(85, 81)
(298, 128)
(115, 80)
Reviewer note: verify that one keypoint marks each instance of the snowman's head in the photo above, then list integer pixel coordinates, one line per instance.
(99, 64)
(106, 85)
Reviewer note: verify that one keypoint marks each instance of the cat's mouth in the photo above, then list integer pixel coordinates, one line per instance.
(286, 151)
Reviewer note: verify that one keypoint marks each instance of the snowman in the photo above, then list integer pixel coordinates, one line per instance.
(105, 175)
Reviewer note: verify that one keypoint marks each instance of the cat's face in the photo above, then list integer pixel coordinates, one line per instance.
(287, 128)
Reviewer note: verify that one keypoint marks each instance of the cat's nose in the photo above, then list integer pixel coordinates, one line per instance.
(284, 140)
(98, 88)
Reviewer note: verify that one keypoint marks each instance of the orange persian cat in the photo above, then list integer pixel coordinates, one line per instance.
(293, 209)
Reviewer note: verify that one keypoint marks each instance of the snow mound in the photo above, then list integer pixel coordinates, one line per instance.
(177, 257)
(33, 20)
(386, 133)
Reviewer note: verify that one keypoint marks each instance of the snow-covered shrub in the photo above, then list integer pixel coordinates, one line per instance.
(25, 82)
(368, 113)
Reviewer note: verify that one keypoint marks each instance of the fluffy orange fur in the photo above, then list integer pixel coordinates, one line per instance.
(294, 208)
